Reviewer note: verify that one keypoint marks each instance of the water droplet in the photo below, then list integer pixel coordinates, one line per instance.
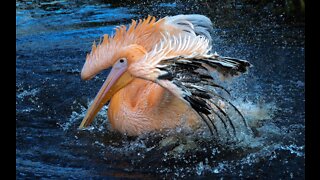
(200, 168)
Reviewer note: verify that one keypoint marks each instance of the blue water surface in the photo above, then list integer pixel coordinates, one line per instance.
(52, 40)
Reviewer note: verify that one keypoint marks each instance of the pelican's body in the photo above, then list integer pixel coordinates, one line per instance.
(144, 87)
(143, 106)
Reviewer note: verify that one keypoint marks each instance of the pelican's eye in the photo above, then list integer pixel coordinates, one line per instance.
(122, 60)
(121, 63)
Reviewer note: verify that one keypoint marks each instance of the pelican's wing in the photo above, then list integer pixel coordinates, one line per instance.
(183, 66)
(190, 79)
(195, 24)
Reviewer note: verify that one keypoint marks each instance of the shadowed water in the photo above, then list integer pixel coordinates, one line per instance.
(52, 40)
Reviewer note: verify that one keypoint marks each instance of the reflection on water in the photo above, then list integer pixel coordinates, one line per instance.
(53, 38)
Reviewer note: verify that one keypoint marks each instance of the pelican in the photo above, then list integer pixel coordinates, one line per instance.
(161, 76)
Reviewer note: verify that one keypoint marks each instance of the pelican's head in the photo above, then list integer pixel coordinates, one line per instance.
(118, 54)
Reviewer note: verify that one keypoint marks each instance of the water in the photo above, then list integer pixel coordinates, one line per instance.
(52, 40)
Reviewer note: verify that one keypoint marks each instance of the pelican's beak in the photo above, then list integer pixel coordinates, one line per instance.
(117, 79)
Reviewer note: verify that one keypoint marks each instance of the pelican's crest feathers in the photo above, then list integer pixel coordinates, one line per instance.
(103, 55)
(146, 32)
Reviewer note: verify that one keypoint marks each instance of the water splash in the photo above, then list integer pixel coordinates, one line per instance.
(26, 93)
(99, 124)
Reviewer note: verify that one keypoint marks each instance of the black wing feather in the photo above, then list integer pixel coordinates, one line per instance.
(193, 77)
